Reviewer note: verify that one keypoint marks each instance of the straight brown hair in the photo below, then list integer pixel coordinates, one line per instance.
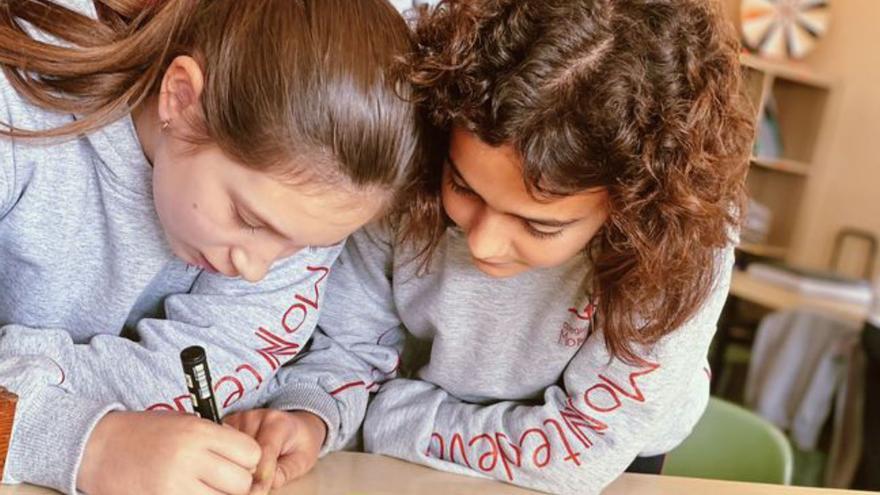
(284, 79)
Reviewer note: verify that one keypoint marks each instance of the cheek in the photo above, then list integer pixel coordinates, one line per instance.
(165, 195)
(183, 206)
(548, 253)
(554, 252)
(460, 209)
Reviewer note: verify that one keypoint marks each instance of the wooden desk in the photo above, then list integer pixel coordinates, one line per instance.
(775, 297)
(347, 473)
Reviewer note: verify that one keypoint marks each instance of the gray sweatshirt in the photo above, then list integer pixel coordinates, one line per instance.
(84, 264)
(503, 378)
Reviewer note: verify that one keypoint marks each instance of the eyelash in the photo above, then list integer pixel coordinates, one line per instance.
(242, 222)
(539, 234)
(459, 189)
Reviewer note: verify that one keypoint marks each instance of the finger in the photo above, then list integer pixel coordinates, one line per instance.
(224, 476)
(234, 420)
(293, 466)
(247, 423)
(271, 448)
(207, 489)
(234, 445)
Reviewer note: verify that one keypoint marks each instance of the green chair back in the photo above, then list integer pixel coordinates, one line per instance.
(733, 443)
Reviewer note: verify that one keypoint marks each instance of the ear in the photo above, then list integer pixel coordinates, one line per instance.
(181, 89)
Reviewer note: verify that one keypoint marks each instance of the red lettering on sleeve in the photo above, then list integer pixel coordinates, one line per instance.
(492, 454)
(572, 455)
(578, 422)
(180, 402)
(544, 446)
(236, 394)
(314, 302)
(440, 445)
(636, 393)
(277, 347)
(287, 320)
(457, 441)
(506, 459)
(252, 371)
(590, 397)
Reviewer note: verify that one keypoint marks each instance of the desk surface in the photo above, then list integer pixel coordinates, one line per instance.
(347, 473)
(775, 297)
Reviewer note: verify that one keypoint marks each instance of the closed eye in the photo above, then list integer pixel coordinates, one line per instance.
(460, 188)
(242, 222)
(538, 232)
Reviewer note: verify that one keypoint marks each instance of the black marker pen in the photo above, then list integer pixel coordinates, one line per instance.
(198, 380)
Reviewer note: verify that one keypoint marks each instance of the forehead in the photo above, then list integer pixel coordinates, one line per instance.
(495, 173)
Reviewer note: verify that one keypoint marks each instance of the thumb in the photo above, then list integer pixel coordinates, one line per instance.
(292, 466)
(265, 472)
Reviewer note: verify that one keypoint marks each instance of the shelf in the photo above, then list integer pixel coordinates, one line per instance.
(782, 165)
(799, 97)
(763, 250)
(786, 70)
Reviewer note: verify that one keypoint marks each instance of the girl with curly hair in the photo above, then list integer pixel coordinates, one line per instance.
(541, 312)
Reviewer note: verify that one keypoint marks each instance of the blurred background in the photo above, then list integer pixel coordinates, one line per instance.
(795, 361)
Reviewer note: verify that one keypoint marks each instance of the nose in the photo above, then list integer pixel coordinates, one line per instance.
(487, 236)
(253, 261)
(248, 266)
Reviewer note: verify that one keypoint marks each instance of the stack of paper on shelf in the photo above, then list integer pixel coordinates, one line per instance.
(814, 282)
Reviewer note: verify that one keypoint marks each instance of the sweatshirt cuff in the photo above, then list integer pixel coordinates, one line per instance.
(49, 437)
(316, 400)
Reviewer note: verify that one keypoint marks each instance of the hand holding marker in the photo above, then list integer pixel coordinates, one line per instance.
(198, 380)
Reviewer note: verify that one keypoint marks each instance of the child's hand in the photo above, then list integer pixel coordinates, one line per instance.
(290, 442)
(166, 453)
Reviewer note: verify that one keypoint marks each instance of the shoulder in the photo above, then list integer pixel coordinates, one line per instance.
(375, 237)
(19, 112)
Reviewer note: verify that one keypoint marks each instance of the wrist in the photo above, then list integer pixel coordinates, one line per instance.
(96, 447)
(315, 423)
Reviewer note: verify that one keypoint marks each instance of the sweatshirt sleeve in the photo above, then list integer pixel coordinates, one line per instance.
(34, 380)
(7, 175)
(8, 179)
(585, 431)
(248, 331)
(344, 364)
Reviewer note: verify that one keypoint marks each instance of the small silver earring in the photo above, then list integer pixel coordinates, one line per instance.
(165, 125)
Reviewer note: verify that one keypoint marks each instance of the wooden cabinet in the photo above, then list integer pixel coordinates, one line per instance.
(778, 180)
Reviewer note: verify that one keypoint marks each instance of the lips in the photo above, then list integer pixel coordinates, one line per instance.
(205, 264)
(495, 264)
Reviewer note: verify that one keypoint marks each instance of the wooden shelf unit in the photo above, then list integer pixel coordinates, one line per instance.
(779, 183)
(781, 165)
(763, 250)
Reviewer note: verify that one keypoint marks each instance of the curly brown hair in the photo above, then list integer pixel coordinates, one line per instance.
(640, 97)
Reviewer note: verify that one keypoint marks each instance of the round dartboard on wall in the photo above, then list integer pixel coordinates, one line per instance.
(783, 28)
(404, 5)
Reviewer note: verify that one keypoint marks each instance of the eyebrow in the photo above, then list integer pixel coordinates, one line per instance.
(549, 222)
